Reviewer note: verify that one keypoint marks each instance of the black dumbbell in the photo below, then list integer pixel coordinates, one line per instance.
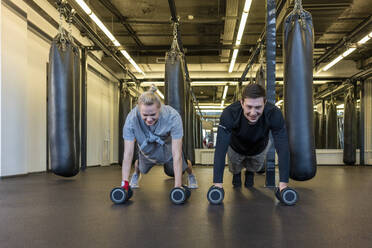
(287, 196)
(119, 195)
(188, 191)
(215, 195)
(179, 195)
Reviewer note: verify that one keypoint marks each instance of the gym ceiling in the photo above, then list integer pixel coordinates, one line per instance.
(208, 32)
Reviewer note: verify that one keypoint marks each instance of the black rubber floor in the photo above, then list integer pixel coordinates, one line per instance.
(43, 210)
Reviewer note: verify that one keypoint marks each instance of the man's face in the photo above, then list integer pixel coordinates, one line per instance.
(253, 108)
(149, 113)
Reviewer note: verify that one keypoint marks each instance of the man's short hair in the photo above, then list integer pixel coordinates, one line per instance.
(253, 91)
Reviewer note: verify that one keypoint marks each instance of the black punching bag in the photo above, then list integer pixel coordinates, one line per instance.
(64, 107)
(331, 126)
(125, 106)
(175, 88)
(298, 40)
(316, 130)
(260, 77)
(350, 130)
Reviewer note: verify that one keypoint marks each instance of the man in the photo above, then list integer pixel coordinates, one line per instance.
(158, 131)
(243, 134)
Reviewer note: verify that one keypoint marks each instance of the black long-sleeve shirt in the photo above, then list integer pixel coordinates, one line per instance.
(251, 139)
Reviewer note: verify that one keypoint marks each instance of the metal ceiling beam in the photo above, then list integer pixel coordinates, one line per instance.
(208, 21)
(110, 7)
(355, 32)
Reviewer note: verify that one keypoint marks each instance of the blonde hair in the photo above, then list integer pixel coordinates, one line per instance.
(149, 97)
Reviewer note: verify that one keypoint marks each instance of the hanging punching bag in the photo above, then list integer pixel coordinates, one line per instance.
(331, 126)
(298, 40)
(64, 107)
(260, 77)
(316, 130)
(349, 130)
(175, 82)
(175, 88)
(189, 142)
(125, 106)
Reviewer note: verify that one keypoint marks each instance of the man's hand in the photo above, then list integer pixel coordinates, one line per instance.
(282, 185)
(219, 185)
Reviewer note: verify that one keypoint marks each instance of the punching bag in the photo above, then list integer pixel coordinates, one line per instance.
(175, 88)
(298, 40)
(316, 130)
(64, 107)
(125, 106)
(349, 130)
(260, 77)
(189, 138)
(331, 126)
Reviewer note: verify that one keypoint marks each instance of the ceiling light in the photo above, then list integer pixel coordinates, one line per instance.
(160, 94)
(148, 84)
(279, 102)
(225, 92)
(107, 32)
(365, 39)
(102, 26)
(341, 106)
(84, 6)
(348, 51)
(210, 107)
(335, 61)
(233, 59)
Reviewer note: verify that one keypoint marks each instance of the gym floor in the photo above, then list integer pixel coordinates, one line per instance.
(44, 210)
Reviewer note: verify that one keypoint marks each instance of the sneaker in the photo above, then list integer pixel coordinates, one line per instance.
(134, 181)
(237, 180)
(192, 182)
(249, 179)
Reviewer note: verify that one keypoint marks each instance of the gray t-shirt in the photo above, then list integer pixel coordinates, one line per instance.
(154, 142)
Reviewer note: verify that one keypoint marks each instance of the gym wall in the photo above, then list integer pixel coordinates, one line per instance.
(24, 57)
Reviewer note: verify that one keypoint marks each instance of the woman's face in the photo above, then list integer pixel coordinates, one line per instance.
(149, 113)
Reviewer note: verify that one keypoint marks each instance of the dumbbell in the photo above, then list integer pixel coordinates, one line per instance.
(215, 194)
(179, 195)
(119, 195)
(287, 196)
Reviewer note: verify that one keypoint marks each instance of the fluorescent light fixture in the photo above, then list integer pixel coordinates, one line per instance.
(278, 102)
(148, 84)
(243, 21)
(211, 110)
(212, 83)
(241, 28)
(365, 39)
(116, 43)
(341, 106)
(160, 94)
(127, 56)
(348, 51)
(222, 103)
(358, 100)
(84, 6)
(233, 59)
(247, 5)
(107, 32)
(102, 26)
(225, 92)
(211, 107)
(215, 129)
(335, 61)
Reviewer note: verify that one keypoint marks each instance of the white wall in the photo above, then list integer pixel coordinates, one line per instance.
(37, 57)
(24, 56)
(14, 93)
